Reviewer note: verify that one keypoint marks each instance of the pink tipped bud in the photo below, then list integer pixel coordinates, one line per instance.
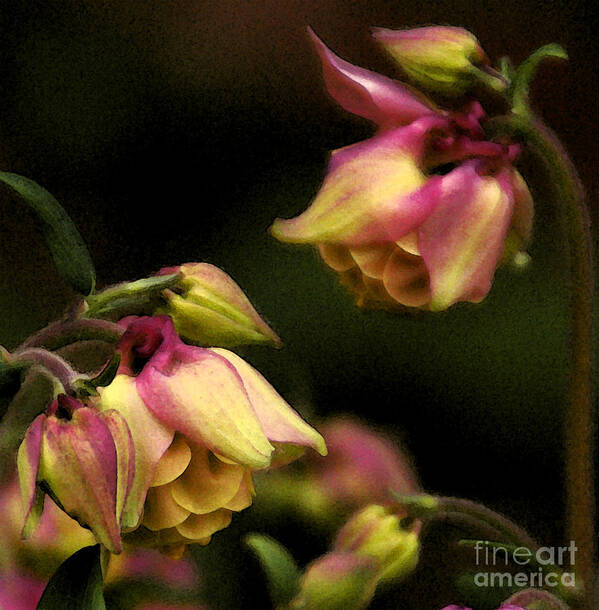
(441, 58)
(338, 581)
(209, 309)
(375, 533)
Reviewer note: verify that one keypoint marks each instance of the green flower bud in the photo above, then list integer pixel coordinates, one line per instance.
(375, 533)
(440, 58)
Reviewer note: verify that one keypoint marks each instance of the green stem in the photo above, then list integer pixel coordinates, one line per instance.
(62, 333)
(579, 428)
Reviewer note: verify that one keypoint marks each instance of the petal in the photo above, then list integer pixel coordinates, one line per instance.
(125, 452)
(173, 463)
(372, 259)
(370, 95)
(207, 484)
(462, 241)
(523, 214)
(243, 498)
(79, 465)
(28, 459)
(199, 394)
(278, 420)
(371, 193)
(336, 257)
(161, 511)
(406, 279)
(201, 526)
(151, 439)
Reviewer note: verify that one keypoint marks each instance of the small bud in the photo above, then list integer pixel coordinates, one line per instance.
(441, 58)
(338, 581)
(84, 460)
(375, 532)
(209, 308)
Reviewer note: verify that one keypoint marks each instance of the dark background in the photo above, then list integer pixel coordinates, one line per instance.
(176, 131)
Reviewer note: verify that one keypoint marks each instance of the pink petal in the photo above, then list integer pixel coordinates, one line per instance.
(370, 95)
(279, 421)
(200, 394)
(372, 193)
(462, 240)
(79, 464)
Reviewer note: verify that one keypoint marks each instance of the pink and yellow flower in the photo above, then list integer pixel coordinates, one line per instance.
(421, 214)
(202, 420)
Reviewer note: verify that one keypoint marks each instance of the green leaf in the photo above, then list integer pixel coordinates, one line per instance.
(64, 241)
(77, 584)
(281, 571)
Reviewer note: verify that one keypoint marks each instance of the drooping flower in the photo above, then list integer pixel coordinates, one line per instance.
(84, 460)
(202, 420)
(421, 214)
(208, 308)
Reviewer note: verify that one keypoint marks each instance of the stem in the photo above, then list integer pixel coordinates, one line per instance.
(60, 334)
(579, 428)
(473, 514)
(57, 367)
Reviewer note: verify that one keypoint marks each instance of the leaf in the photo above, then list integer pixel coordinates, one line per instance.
(68, 249)
(77, 584)
(282, 573)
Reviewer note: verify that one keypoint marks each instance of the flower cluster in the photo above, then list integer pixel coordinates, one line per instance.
(421, 214)
(164, 454)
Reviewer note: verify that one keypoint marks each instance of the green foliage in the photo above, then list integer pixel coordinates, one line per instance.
(77, 584)
(281, 571)
(62, 237)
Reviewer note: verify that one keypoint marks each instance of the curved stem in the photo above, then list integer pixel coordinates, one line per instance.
(471, 513)
(579, 428)
(63, 333)
(57, 367)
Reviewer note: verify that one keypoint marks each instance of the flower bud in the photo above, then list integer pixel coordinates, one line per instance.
(338, 581)
(441, 58)
(375, 533)
(84, 460)
(209, 308)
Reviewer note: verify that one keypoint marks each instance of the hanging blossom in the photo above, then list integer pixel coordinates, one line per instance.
(164, 454)
(421, 214)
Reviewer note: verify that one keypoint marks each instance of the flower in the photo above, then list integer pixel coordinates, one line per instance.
(202, 420)
(209, 308)
(421, 214)
(338, 581)
(375, 533)
(362, 465)
(84, 460)
(441, 58)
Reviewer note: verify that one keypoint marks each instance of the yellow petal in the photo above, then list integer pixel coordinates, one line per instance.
(173, 463)
(161, 511)
(201, 526)
(207, 484)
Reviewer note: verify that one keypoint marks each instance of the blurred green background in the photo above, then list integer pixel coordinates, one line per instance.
(176, 131)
